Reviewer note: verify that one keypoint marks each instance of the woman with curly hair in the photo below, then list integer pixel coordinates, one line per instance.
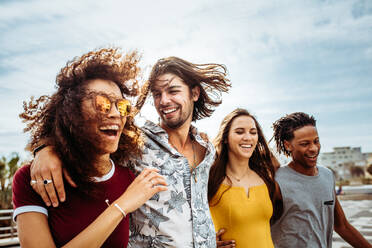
(241, 188)
(89, 122)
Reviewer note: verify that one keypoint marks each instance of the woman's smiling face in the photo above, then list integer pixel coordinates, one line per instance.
(103, 129)
(243, 137)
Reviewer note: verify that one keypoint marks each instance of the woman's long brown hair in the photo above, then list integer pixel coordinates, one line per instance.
(260, 161)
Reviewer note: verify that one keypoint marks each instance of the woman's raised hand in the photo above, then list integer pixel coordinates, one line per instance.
(146, 184)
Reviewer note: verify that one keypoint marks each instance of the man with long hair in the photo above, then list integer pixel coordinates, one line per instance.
(182, 92)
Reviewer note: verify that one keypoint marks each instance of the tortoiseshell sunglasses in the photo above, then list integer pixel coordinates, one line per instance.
(103, 103)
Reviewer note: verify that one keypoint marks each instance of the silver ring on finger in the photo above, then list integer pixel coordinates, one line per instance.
(153, 184)
(32, 182)
(47, 181)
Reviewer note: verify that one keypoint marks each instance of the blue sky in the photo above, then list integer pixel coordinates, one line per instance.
(282, 56)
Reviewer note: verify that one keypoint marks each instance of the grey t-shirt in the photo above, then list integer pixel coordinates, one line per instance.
(308, 209)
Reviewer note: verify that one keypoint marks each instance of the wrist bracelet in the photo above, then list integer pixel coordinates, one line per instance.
(37, 149)
(117, 206)
(120, 209)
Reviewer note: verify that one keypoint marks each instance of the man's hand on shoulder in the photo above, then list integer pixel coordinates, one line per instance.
(46, 176)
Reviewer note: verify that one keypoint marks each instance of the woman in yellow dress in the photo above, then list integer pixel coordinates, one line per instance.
(241, 188)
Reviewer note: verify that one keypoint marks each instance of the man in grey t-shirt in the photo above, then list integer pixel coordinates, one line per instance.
(310, 208)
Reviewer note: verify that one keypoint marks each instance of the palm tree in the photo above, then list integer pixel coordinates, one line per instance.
(7, 169)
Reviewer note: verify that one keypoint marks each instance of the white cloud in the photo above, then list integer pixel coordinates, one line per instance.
(282, 56)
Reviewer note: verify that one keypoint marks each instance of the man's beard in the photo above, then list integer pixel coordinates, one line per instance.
(177, 123)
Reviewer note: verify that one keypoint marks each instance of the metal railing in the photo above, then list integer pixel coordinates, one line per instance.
(8, 229)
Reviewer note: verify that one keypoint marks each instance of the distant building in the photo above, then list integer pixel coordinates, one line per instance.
(343, 158)
(341, 155)
(368, 157)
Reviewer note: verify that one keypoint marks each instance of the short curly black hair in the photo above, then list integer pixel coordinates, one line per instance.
(285, 126)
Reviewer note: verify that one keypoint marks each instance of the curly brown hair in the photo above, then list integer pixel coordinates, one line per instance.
(260, 162)
(58, 121)
(210, 78)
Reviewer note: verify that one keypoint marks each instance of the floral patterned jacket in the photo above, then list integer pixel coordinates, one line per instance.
(178, 217)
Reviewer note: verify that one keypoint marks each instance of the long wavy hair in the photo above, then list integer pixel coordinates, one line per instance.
(260, 162)
(57, 120)
(210, 78)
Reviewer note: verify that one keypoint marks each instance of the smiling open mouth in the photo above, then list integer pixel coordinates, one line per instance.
(168, 110)
(110, 130)
(246, 146)
(312, 157)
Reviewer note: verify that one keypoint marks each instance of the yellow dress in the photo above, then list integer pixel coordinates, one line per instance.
(245, 218)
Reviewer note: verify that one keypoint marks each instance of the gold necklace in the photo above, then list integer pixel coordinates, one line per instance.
(193, 165)
(238, 179)
(194, 158)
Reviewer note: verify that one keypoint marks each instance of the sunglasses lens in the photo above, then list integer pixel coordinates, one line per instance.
(103, 104)
(123, 107)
